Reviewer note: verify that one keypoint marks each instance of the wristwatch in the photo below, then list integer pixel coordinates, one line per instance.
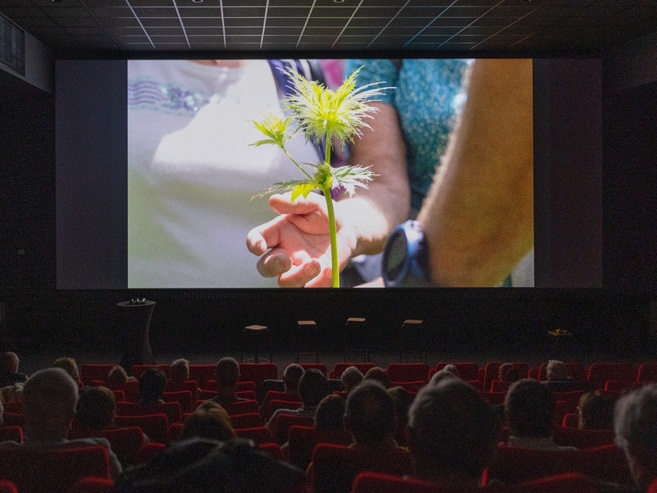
(406, 257)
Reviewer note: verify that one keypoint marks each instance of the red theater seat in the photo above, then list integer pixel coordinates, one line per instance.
(52, 470)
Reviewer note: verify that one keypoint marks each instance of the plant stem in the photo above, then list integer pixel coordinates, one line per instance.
(333, 233)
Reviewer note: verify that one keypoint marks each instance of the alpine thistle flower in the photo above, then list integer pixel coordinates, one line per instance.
(329, 116)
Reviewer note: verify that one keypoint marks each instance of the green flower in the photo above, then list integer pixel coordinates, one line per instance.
(323, 113)
(329, 116)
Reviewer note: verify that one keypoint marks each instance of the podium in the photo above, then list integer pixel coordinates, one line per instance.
(136, 339)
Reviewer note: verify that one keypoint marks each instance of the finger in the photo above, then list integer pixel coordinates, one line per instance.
(263, 237)
(274, 264)
(299, 275)
(282, 204)
(323, 280)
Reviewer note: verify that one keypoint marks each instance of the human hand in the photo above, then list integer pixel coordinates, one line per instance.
(295, 246)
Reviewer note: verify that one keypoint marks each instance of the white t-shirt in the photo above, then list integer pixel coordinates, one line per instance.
(192, 172)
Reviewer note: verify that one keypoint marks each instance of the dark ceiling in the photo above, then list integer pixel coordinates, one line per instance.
(128, 27)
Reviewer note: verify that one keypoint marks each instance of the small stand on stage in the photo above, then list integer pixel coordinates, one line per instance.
(136, 339)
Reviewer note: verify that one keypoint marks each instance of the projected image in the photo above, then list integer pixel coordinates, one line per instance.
(193, 173)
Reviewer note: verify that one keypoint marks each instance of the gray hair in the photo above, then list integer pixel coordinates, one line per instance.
(556, 370)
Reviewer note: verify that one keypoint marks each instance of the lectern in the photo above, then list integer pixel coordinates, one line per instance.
(136, 338)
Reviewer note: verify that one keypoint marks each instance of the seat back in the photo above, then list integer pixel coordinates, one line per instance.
(8, 487)
(171, 409)
(154, 426)
(246, 420)
(259, 434)
(468, 371)
(258, 372)
(130, 389)
(92, 484)
(189, 385)
(408, 372)
(302, 441)
(201, 374)
(377, 482)
(285, 421)
(499, 386)
(11, 433)
(242, 407)
(94, 371)
(125, 441)
(605, 463)
(182, 397)
(599, 373)
(647, 372)
(582, 439)
(52, 469)
(336, 466)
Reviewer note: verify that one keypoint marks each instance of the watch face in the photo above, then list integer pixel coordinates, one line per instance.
(394, 260)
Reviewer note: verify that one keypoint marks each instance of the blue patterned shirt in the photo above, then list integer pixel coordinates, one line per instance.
(428, 95)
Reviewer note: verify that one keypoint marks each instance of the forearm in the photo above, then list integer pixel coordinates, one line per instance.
(374, 211)
(478, 216)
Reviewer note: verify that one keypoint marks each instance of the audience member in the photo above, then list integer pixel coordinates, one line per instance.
(453, 434)
(558, 380)
(313, 387)
(440, 375)
(379, 375)
(350, 378)
(370, 417)
(291, 379)
(179, 370)
(209, 420)
(200, 465)
(508, 372)
(635, 425)
(403, 401)
(151, 387)
(50, 397)
(529, 412)
(452, 369)
(96, 409)
(227, 374)
(118, 376)
(70, 366)
(329, 416)
(9, 375)
(595, 412)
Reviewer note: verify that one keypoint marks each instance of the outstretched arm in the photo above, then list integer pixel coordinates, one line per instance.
(479, 216)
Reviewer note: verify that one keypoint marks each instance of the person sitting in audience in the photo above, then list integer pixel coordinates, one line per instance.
(558, 380)
(151, 387)
(595, 412)
(9, 375)
(379, 375)
(118, 376)
(70, 366)
(95, 410)
(313, 387)
(291, 379)
(227, 374)
(350, 378)
(529, 412)
(209, 420)
(370, 417)
(508, 372)
(50, 397)
(329, 416)
(446, 372)
(453, 434)
(635, 426)
(179, 378)
(403, 401)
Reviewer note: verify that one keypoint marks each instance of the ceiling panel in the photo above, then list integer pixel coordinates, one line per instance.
(79, 27)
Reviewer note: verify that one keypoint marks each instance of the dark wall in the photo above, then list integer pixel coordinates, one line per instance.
(630, 167)
(27, 185)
